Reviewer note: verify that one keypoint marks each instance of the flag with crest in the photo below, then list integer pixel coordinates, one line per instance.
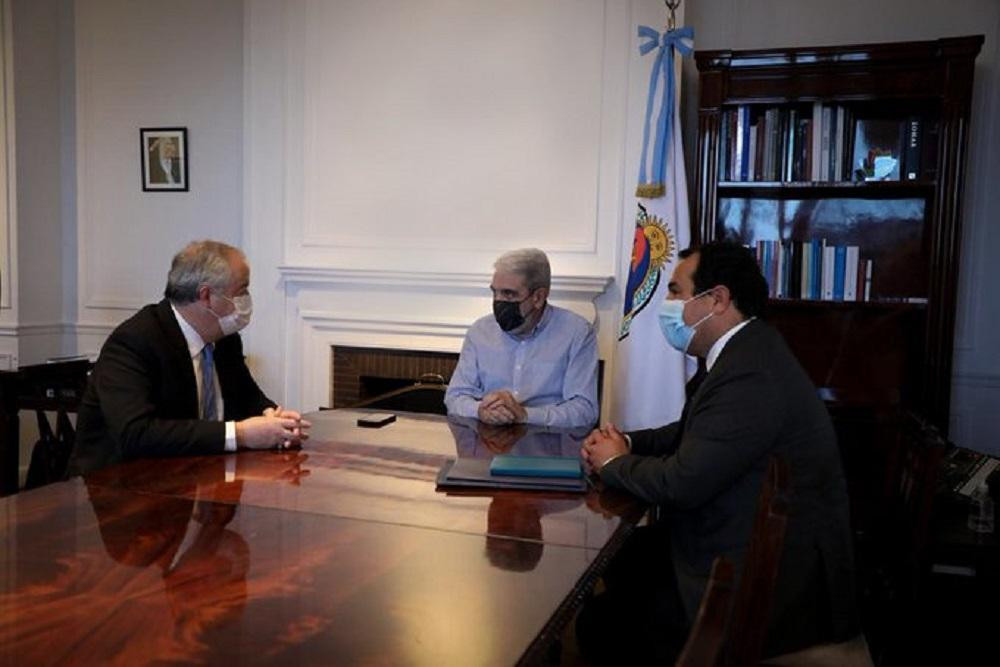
(649, 374)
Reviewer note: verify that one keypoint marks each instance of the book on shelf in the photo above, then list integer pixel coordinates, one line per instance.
(822, 143)
(851, 259)
(814, 270)
(826, 285)
(911, 154)
(815, 142)
(877, 151)
(838, 144)
(823, 172)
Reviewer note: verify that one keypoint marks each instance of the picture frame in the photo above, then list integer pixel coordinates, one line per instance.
(163, 156)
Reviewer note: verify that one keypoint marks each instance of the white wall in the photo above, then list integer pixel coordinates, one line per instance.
(46, 202)
(744, 24)
(8, 196)
(150, 64)
(394, 150)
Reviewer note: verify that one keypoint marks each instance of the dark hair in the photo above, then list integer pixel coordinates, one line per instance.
(735, 266)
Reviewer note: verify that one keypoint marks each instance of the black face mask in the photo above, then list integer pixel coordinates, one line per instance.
(508, 314)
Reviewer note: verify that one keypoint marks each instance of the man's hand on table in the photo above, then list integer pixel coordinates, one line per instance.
(500, 407)
(601, 446)
(277, 427)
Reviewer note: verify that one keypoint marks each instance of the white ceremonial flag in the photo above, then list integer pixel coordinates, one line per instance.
(649, 375)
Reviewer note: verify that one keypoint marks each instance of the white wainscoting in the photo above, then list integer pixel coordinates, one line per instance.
(426, 138)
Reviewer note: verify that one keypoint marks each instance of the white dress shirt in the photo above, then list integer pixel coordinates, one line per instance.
(717, 346)
(195, 345)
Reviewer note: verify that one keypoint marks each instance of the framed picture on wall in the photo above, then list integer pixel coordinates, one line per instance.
(164, 158)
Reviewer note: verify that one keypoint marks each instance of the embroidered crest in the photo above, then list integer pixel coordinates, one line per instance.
(652, 246)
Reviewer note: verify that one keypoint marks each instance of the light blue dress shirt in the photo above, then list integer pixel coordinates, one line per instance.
(552, 371)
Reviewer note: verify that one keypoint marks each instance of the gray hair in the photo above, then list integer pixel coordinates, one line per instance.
(199, 263)
(531, 263)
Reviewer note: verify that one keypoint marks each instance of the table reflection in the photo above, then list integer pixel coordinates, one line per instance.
(203, 563)
(514, 539)
(473, 438)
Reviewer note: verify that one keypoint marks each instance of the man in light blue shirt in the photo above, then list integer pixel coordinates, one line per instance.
(529, 362)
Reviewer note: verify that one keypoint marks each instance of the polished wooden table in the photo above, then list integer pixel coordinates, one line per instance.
(341, 553)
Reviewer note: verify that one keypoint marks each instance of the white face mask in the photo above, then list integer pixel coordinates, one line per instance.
(239, 318)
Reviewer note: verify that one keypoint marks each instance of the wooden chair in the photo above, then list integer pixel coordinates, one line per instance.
(755, 596)
(893, 560)
(704, 645)
(739, 629)
(53, 387)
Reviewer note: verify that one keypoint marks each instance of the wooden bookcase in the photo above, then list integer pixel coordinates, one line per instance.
(896, 348)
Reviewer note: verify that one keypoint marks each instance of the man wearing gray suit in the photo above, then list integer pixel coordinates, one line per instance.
(752, 400)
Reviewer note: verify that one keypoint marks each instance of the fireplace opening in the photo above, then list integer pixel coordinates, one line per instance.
(361, 373)
(375, 386)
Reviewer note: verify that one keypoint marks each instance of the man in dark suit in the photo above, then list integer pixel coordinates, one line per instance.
(705, 471)
(171, 380)
(164, 162)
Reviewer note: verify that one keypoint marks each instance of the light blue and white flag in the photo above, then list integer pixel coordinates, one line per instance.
(649, 374)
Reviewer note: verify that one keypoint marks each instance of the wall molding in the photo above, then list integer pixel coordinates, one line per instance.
(8, 166)
(46, 328)
(323, 320)
(580, 286)
(103, 302)
(582, 238)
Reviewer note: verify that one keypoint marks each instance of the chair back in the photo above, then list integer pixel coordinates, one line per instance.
(755, 596)
(52, 387)
(896, 560)
(915, 480)
(704, 644)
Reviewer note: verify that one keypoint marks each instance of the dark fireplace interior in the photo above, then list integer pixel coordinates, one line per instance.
(360, 373)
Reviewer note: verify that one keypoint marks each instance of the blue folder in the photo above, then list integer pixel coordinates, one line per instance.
(536, 466)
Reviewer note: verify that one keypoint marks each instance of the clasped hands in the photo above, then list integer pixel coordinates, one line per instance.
(602, 445)
(276, 427)
(500, 407)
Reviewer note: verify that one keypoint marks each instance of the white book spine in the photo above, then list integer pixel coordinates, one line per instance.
(817, 144)
(851, 273)
(752, 157)
(829, 259)
(738, 153)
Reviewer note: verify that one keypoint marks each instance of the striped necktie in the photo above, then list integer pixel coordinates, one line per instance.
(208, 410)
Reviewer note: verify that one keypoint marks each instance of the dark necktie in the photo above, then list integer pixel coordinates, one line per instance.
(208, 410)
(689, 390)
(692, 385)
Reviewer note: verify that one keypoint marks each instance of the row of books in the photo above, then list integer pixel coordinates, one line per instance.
(815, 270)
(824, 143)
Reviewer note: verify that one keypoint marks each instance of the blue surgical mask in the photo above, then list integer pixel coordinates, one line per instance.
(671, 318)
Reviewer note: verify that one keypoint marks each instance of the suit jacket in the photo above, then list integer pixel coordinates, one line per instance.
(142, 398)
(707, 469)
(156, 173)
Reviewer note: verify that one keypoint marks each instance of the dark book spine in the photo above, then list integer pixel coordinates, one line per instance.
(911, 154)
(795, 274)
